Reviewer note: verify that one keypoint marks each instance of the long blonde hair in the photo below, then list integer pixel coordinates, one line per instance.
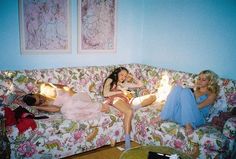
(213, 85)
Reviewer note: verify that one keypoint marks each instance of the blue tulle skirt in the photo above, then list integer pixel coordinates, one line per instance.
(182, 107)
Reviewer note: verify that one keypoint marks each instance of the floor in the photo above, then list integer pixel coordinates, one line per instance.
(106, 152)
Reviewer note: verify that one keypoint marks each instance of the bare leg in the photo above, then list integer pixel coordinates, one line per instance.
(128, 114)
(147, 100)
(48, 108)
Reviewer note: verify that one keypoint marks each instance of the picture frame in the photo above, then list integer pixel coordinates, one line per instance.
(97, 26)
(45, 26)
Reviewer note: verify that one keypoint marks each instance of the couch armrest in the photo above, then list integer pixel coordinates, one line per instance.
(229, 129)
(5, 149)
(2, 112)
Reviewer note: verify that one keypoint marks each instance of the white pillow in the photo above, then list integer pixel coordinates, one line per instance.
(219, 106)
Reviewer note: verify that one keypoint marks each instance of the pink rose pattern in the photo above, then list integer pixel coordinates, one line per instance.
(27, 149)
(31, 144)
(231, 99)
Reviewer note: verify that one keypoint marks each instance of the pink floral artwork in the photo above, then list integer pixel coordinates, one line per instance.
(45, 26)
(97, 25)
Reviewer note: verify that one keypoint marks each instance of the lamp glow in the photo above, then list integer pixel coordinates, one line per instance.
(48, 91)
(163, 89)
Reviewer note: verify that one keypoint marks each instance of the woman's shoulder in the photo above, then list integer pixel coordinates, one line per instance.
(108, 80)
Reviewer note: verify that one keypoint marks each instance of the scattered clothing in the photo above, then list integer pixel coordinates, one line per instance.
(19, 117)
(22, 118)
(25, 123)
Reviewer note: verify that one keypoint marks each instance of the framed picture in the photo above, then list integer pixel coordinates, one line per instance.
(97, 26)
(45, 26)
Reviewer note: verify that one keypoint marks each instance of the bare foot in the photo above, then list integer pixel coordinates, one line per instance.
(188, 129)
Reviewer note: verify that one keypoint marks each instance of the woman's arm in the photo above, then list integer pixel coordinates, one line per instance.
(106, 90)
(210, 100)
(135, 83)
(48, 108)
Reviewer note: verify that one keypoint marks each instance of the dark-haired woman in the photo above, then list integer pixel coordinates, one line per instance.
(74, 106)
(40, 102)
(116, 94)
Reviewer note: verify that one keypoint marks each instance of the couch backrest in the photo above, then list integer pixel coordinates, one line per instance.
(152, 77)
(87, 79)
(90, 79)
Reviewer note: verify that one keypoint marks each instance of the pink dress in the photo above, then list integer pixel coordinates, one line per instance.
(77, 107)
(109, 100)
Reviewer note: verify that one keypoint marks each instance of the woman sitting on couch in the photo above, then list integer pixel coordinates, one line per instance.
(115, 91)
(55, 98)
(189, 107)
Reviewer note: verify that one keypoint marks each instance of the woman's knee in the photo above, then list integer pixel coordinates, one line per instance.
(178, 87)
(153, 98)
(176, 90)
(148, 100)
(185, 93)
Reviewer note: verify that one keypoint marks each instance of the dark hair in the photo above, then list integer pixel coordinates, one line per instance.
(29, 99)
(114, 76)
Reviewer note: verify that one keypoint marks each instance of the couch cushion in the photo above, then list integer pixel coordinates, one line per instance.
(57, 124)
(204, 136)
(207, 136)
(219, 106)
(230, 128)
(210, 138)
(59, 137)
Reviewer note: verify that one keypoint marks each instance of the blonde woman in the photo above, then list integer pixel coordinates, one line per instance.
(189, 107)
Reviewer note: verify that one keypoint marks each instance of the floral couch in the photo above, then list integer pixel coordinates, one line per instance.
(57, 137)
(207, 141)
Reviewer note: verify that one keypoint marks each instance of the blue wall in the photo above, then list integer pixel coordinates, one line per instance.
(187, 35)
(128, 40)
(191, 35)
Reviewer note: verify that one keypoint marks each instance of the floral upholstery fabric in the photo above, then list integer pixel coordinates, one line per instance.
(230, 128)
(171, 134)
(212, 142)
(57, 137)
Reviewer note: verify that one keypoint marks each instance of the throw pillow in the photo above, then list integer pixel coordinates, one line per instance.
(6, 86)
(12, 95)
(219, 106)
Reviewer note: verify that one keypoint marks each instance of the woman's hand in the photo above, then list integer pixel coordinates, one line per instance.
(129, 77)
(128, 94)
